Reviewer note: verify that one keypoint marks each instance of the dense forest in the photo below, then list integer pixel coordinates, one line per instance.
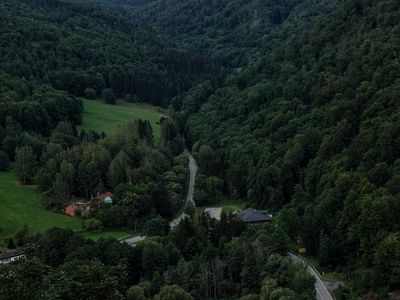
(55, 51)
(83, 49)
(231, 31)
(310, 129)
(287, 105)
(205, 260)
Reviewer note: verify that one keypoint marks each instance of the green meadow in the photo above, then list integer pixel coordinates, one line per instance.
(21, 205)
(100, 116)
(228, 205)
(105, 234)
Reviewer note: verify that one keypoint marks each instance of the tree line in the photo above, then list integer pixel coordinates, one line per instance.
(199, 259)
(147, 180)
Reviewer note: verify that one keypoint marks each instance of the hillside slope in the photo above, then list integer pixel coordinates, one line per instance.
(77, 46)
(312, 127)
(231, 31)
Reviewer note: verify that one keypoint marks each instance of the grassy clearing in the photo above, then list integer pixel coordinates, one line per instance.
(100, 116)
(20, 205)
(228, 205)
(105, 234)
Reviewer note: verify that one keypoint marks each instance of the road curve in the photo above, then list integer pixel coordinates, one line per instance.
(132, 241)
(321, 291)
(193, 171)
(189, 197)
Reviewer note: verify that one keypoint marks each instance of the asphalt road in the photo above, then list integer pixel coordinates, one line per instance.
(321, 291)
(192, 178)
(193, 171)
(132, 241)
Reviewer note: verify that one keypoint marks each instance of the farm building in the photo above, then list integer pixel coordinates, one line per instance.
(10, 256)
(77, 208)
(83, 208)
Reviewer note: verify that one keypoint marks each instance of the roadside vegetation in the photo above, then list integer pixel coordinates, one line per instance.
(105, 234)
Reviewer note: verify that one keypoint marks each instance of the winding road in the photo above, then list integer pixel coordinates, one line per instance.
(321, 291)
(192, 178)
(193, 171)
(133, 240)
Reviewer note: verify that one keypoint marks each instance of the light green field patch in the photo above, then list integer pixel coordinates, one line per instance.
(105, 234)
(100, 116)
(20, 205)
(228, 205)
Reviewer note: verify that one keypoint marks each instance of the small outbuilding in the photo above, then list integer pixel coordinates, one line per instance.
(105, 198)
(76, 208)
(83, 208)
(253, 216)
(214, 212)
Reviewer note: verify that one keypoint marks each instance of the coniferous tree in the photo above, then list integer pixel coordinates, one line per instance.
(25, 164)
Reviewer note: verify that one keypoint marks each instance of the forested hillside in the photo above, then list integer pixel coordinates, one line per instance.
(76, 47)
(312, 128)
(305, 124)
(231, 31)
(53, 52)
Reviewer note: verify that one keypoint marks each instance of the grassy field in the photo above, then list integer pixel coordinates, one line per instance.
(105, 234)
(228, 205)
(20, 205)
(100, 116)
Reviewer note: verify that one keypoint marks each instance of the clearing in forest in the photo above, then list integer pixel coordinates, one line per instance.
(100, 116)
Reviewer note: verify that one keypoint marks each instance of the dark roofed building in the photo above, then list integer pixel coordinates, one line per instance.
(10, 256)
(253, 216)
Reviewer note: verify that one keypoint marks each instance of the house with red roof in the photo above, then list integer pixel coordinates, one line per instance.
(82, 208)
(77, 208)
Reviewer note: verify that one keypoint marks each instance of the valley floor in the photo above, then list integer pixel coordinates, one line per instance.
(100, 116)
(20, 205)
